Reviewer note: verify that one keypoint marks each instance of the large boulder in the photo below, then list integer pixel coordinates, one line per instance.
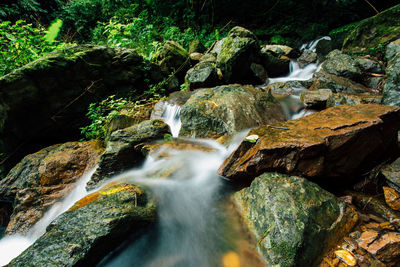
(324, 80)
(203, 74)
(293, 220)
(343, 65)
(124, 149)
(334, 145)
(392, 49)
(173, 57)
(228, 109)
(391, 88)
(307, 57)
(275, 59)
(373, 32)
(45, 102)
(43, 178)
(235, 55)
(94, 226)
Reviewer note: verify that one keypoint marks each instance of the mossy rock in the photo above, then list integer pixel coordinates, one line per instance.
(228, 109)
(293, 220)
(92, 228)
(374, 33)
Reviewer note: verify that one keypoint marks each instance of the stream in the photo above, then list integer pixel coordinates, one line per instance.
(192, 228)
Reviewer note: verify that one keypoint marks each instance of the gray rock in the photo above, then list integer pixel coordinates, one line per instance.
(391, 88)
(213, 112)
(307, 57)
(392, 49)
(316, 99)
(392, 173)
(351, 99)
(203, 74)
(92, 228)
(337, 84)
(342, 65)
(293, 220)
(123, 150)
(370, 65)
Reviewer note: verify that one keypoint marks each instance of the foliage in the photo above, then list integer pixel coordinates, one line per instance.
(53, 31)
(21, 43)
(100, 114)
(30, 10)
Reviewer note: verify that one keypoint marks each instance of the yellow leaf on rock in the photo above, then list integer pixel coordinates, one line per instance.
(346, 257)
(231, 259)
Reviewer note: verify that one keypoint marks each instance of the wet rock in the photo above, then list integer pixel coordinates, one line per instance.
(392, 49)
(385, 247)
(392, 198)
(350, 99)
(237, 52)
(173, 57)
(45, 102)
(343, 65)
(275, 59)
(337, 84)
(376, 206)
(307, 57)
(43, 178)
(94, 226)
(316, 99)
(203, 74)
(373, 32)
(391, 88)
(346, 257)
(369, 65)
(123, 149)
(259, 73)
(333, 145)
(227, 109)
(292, 219)
(392, 173)
(323, 48)
(280, 89)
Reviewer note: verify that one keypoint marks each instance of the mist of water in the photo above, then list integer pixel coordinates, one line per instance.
(171, 117)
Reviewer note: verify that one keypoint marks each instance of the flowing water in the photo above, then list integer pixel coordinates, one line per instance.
(192, 228)
(13, 245)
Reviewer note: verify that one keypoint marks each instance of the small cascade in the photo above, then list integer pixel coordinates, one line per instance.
(172, 118)
(292, 105)
(13, 245)
(190, 226)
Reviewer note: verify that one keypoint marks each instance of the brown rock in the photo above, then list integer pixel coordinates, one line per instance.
(43, 178)
(316, 99)
(385, 247)
(392, 198)
(334, 144)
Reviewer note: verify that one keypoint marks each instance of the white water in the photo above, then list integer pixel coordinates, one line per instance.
(171, 117)
(189, 231)
(13, 245)
(298, 74)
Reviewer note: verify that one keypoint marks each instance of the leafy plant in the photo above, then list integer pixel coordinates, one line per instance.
(100, 114)
(21, 43)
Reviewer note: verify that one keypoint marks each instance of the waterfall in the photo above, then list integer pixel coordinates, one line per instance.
(298, 74)
(189, 230)
(171, 117)
(13, 245)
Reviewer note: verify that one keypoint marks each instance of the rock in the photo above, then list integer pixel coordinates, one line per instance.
(280, 89)
(292, 219)
(123, 150)
(346, 257)
(392, 198)
(45, 102)
(275, 63)
(333, 145)
(385, 247)
(241, 33)
(307, 57)
(350, 99)
(323, 80)
(316, 99)
(392, 173)
(369, 65)
(94, 226)
(173, 57)
(392, 49)
(391, 88)
(195, 57)
(227, 109)
(43, 178)
(340, 64)
(373, 32)
(376, 206)
(203, 74)
(196, 46)
(259, 72)
(323, 48)
(237, 52)
(277, 50)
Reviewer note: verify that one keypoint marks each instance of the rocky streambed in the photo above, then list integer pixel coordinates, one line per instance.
(276, 156)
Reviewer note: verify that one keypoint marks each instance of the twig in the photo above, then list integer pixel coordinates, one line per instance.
(377, 12)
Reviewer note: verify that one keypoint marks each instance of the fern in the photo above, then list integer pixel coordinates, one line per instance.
(53, 30)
